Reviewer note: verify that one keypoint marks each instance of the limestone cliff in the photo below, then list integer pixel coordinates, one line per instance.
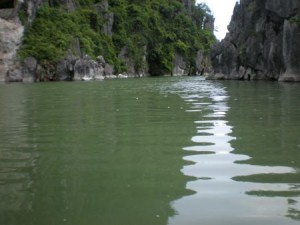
(42, 40)
(11, 33)
(10, 39)
(263, 42)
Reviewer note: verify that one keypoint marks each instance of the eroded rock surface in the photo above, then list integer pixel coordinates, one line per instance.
(263, 42)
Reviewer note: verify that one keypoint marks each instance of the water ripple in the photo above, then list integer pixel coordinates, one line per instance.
(219, 198)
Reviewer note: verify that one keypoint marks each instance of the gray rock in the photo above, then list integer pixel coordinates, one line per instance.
(110, 77)
(135, 69)
(103, 8)
(225, 57)
(76, 68)
(283, 8)
(29, 69)
(263, 42)
(108, 25)
(14, 75)
(179, 66)
(30, 63)
(70, 5)
(32, 6)
(87, 69)
(124, 56)
(122, 75)
(65, 69)
(216, 76)
(101, 60)
(291, 51)
(108, 69)
(198, 62)
(11, 32)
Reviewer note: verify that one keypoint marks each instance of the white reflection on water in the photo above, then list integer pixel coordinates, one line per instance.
(218, 198)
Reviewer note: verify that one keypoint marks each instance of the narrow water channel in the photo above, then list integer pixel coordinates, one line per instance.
(150, 151)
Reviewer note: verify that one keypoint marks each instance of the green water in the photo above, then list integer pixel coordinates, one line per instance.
(150, 151)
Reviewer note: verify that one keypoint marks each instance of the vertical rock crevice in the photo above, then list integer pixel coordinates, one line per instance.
(262, 43)
(78, 61)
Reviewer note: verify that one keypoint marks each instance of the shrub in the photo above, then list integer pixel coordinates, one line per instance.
(164, 26)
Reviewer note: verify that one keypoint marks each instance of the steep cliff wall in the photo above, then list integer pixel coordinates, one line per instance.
(11, 34)
(263, 42)
(10, 39)
(43, 40)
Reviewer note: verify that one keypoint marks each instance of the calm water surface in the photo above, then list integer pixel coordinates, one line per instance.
(150, 151)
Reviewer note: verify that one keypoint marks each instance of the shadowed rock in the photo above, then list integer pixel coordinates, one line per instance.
(262, 43)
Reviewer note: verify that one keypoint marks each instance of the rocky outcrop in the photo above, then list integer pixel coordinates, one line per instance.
(179, 66)
(31, 7)
(18, 15)
(71, 68)
(291, 51)
(135, 69)
(201, 65)
(87, 69)
(263, 42)
(103, 9)
(11, 32)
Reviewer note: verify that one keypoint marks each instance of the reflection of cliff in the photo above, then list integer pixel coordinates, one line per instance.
(18, 157)
(105, 156)
(269, 124)
(266, 132)
(226, 160)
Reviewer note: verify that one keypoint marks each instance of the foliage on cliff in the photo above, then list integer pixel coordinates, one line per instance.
(163, 27)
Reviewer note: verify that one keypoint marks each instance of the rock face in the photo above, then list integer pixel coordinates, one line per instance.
(75, 66)
(11, 32)
(179, 68)
(83, 68)
(32, 6)
(103, 8)
(263, 42)
(87, 69)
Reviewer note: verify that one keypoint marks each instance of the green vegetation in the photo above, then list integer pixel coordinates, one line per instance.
(164, 27)
(49, 37)
(295, 20)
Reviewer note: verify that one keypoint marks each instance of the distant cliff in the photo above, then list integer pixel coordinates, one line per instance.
(263, 42)
(42, 40)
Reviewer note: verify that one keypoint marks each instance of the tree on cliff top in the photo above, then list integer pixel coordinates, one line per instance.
(164, 27)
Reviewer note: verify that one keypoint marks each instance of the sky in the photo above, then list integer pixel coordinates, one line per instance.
(222, 11)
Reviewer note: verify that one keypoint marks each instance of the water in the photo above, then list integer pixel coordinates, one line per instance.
(150, 151)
